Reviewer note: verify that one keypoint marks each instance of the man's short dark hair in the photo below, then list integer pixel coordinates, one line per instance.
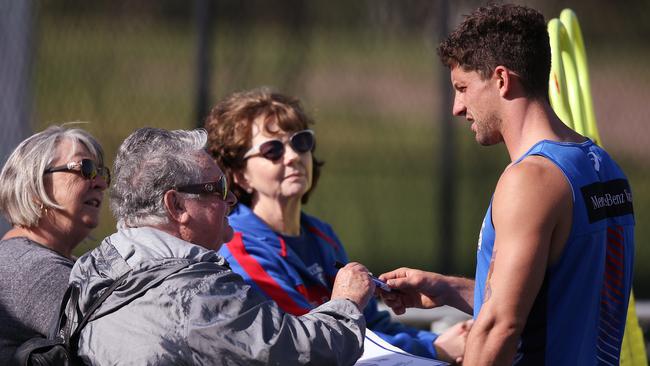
(510, 35)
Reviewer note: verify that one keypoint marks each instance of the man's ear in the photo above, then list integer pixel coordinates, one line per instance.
(175, 206)
(241, 180)
(503, 80)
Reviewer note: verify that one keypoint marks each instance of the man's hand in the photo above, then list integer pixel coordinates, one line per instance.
(450, 345)
(426, 290)
(415, 289)
(353, 282)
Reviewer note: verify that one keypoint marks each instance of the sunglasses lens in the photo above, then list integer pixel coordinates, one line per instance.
(223, 187)
(106, 174)
(272, 149)
(302, 141)
(88, 169)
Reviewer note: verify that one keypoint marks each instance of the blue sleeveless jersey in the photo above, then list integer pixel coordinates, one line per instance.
(578, 316)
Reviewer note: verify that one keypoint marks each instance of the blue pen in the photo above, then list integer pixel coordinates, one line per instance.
(379, 283)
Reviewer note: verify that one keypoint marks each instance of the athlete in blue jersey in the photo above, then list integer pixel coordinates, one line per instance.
(261, 140)
(556, 248)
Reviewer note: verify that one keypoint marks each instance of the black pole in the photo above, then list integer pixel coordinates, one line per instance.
(447, 173)
(203, 16)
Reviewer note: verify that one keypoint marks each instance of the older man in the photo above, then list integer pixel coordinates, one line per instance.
(171, 199)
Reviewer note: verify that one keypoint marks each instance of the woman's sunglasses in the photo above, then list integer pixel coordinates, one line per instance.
(86, 167)
(301, 142)
(218, 188)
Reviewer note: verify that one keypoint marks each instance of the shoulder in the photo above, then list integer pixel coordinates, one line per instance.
(201, 274)
(26, 249)
(536, 175)
(249, 229)
(34, 260)
(534, 187)
(207, 283)
(242, 218)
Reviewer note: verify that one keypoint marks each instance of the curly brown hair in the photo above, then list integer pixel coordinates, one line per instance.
(229, 127)
(510, 35)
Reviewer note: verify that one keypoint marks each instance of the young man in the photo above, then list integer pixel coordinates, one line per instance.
(555, 252)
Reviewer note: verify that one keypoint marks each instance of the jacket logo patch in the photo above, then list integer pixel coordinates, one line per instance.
(607, 199)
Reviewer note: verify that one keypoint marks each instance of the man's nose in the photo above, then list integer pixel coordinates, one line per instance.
(231, 200)
(459, 107)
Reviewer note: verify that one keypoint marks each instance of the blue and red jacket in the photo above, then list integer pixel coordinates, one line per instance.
(266, 262)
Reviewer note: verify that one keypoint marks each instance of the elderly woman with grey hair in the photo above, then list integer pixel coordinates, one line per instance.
(51, 190)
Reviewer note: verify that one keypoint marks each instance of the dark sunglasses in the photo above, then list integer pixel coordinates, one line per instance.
(301, 142)
(218, 188)
(86, 167)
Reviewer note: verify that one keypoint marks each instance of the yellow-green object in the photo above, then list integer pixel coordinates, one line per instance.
(572, 87)
(633, 352)
(557, 81)
(570, 96)
(570, 22)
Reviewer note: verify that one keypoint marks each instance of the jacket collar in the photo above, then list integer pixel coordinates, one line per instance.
(138, 245)
(243, 219)
(147, 252)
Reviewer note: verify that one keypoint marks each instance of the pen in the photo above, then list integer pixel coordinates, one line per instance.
(381, 284)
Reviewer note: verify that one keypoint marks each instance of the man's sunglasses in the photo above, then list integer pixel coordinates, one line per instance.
(218, 188)
(86, 167)
(301, 142)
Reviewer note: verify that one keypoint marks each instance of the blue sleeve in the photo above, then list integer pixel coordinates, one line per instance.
(411, 340)
(265, 273)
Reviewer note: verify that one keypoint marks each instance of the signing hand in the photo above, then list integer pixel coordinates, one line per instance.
(353, 282)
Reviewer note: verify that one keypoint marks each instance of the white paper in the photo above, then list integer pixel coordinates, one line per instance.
(377, 352)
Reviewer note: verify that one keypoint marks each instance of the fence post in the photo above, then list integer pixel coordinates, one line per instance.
(16, 48)
(203, 18)
(445, 200)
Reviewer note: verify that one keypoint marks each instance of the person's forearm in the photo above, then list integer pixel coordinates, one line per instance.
(461, 294)
(491, 343)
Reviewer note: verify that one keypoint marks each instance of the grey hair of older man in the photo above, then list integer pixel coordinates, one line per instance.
(149, 162)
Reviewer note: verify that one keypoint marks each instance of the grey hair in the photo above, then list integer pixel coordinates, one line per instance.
(22, 188)
(150, 162)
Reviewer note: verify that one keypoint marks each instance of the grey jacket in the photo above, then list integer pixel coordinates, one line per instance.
(203, 314)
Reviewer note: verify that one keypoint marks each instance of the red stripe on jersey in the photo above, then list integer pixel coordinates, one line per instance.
(617, 232)
(612, 279)
(322, 235)
(316, 295)
(613, 271)
(303, 291)
(615, 242)
(283, 247)
(613, 250)
(616, 261)
(610, 296)
(267, 283)
(613, 288)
